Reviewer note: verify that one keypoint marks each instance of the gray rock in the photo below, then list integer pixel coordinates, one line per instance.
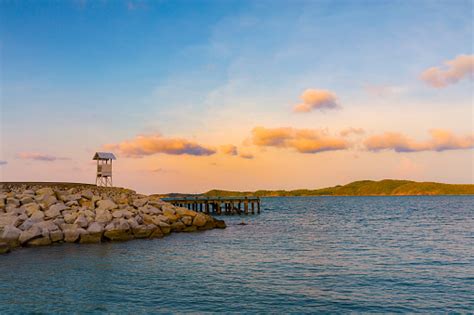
(13, 201)
(72, 203)
(87, 194)
(45, 201)
(41, 241)
(31, 233)
(30, 208)
(137, 203)
(27, 224)
(103, 216)
(71, 235)
(117, 214)
(187, 220)
(45, 191)
(37, 216)
(70, 217)
(106, 204)
(26, 200)
(200, 220)
(10, 234)
(81, 221)
(55, 210)
(56, 235)
(95, 227)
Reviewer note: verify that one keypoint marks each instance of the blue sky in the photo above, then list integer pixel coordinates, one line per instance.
(76, 75)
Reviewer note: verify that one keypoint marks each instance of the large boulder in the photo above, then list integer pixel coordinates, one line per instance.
(45, 191)
(37, 216)
(41, 241)
(170, 214)
(71, 234)
(10, 235)
(187, 220)
(45, 201)
(106, 204)
(31, 233)
(55, 210)
(70, 217)
(56, 235)
(93, 234)
(86, 203)
(13, 202)
(200, 220)
(31, 208)
(177, 226)
(137, 203)
(87, 194)
(26, 200)
(103, 215)
(144, 231)
(9, 219)
(185, 212)
(81, 221)
(165, 227)
(118, 235)
(157, 233)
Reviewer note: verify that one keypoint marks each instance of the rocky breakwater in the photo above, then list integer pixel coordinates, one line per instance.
(38, 215)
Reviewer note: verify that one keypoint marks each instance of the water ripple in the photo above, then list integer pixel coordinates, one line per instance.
(301, 255)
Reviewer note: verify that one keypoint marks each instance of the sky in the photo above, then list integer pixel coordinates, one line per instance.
(237, 95)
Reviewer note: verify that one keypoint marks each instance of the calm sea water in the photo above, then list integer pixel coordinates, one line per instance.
(301, 255)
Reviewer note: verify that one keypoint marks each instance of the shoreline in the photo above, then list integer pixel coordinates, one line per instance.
(45, 213)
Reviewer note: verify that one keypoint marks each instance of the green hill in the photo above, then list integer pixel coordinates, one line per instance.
(386, 187)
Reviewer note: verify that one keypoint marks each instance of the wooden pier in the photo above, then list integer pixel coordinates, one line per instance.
(218, 205)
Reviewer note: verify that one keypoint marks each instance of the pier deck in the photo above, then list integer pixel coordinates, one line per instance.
(218, 205)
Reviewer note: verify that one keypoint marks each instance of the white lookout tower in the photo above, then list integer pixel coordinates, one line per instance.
(104, 168)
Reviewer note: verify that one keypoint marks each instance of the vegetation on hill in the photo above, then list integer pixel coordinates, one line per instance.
(386, 187)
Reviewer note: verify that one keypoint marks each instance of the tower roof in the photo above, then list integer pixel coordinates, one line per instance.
(104, 156)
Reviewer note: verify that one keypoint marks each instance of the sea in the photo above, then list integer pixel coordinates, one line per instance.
(301, 255)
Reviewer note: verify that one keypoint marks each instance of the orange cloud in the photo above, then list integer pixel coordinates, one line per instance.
(454, 70)
(39, 157)
(316, 99)
(247, 156)
(229, 149)
(302, 140)
(441, 140)
(153, 144)
(348, 131)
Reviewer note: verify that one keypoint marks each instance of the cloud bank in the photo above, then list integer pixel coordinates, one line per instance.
(153, 144)
(247, 156)
(301, 140)
(349, 131)
(316, 99)
(2, 162)
(35, 156)
(229, 149)
(453, 71)
(441, 140)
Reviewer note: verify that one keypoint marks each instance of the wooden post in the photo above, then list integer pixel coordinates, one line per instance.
(207, 207)
(258, 206)
(253, 207)
(246, 205)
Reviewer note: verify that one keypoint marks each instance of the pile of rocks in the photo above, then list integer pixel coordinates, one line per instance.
(35, 215)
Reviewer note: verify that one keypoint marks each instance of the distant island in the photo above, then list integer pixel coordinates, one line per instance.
(386, 187)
